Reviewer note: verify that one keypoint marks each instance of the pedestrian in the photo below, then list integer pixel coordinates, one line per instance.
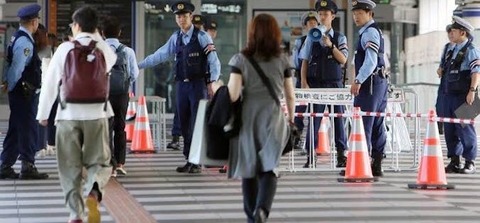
(322, 67)
(122, 76)
(211, 28)
(264, 130)
(443, 66)
(82, 136)
(194, 52)
(23, 80)
(370, 85)
(460, 85)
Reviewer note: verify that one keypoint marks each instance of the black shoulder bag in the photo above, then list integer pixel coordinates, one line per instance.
(293, 131)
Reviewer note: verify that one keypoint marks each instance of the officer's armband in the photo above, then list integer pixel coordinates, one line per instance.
(209, 48)
(372, 46)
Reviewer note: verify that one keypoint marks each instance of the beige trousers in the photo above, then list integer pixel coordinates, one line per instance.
(82, 144)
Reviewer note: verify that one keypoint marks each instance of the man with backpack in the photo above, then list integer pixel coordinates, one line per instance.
(122, 75)
(78, 77)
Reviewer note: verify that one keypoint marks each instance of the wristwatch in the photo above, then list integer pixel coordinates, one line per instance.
(357, 81)
(472, 89)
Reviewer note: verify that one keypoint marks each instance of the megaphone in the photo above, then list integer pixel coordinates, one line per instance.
(315, 34)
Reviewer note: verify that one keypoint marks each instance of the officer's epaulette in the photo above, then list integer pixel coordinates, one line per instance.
(202, 33)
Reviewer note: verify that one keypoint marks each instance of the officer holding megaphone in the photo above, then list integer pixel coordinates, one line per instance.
(324, 54)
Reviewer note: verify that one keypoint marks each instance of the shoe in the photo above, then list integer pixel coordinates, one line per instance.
(341, 159)
(260, 216)
(469, 168)
(30, 172)
(377, 167)
(454, 165)
(51, 150)
(121, 171)
(174, 144)
(92, 205)
(114, 173)
(185, 168)
(308, 164)
(8, 173)
(76, 221)
(223, 169)
(195, 169)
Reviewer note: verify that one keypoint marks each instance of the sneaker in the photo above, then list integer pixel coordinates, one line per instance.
(76, 221)
(30, 172)
(92, 205)
(8, 173)
(41, 154)
(51, 150)
(114, 173)
(454, 165)
(121, 171)
(174, 144)
(469, 167)
(195, 169)
(185, 168)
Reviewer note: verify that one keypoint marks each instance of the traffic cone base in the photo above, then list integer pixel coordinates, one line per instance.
(431, 186)
(356, 170)
(143, 136)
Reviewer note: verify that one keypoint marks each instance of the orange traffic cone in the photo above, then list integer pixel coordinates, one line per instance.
(323, 145)
(142, 136)
(358, 162)
(130, 118)
(432, 170)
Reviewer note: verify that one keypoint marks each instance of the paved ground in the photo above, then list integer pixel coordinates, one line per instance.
(209, 197)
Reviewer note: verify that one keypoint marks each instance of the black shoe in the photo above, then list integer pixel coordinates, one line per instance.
(308, 164)
(341, 159)
(377, 167)
(223, 169)
(8, 173)
(30, 172)
(469, 168)
(454, 165)
(195, 169)
(185, 168)
(174, 144)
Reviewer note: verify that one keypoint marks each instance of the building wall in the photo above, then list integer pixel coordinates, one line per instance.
(435, 14)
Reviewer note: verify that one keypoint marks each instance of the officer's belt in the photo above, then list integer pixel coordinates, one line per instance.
(380, 71)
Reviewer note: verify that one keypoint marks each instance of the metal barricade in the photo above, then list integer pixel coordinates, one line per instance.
(341, 96)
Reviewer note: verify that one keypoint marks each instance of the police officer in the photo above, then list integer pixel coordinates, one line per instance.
(446, 56)
(194, 52)
(211, 28)
(460, 85)
(309, 21)
(370, 85)
(197, 21)
(23, 78)
(322, 68)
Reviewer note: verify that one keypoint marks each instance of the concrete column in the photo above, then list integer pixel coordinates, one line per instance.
(139, 33)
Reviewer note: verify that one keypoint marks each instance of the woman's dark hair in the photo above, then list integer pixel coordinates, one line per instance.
(110, 27)
(87, 19)
(40, 37)
(264, 37)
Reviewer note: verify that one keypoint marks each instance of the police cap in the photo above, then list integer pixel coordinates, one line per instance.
(183, 7)
(29, 11)
(197, 19)
(309, 15)
(325, 5)
(363, 4)
(211, 25)
(459, 23)
(448, 28)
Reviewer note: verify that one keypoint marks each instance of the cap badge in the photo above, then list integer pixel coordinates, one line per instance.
(354, 3)
(180, 6)
(323, 3)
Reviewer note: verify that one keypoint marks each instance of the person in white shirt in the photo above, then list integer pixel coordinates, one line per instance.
(82, 137)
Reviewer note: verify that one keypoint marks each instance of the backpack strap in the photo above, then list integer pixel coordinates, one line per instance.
(120, 48)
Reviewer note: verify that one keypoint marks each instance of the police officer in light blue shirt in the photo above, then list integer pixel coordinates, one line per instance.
(370, 85)
(22, 80)
(462, 75)
(194, 52)
(322, 63)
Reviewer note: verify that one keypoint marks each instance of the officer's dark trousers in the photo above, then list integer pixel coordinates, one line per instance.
(299, 109)
(375, 132)
(340, 135)
(51, 129)
(258, 193)
(22, 128)
(118, 137)
(188, 96)
(461, 141)
(176, 129)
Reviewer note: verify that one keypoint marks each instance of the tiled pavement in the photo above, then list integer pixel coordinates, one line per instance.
(209, 197)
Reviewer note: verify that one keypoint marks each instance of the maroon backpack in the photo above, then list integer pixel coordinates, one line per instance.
(86, 80)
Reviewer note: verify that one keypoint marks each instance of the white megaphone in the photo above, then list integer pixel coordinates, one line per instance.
(316, 33)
